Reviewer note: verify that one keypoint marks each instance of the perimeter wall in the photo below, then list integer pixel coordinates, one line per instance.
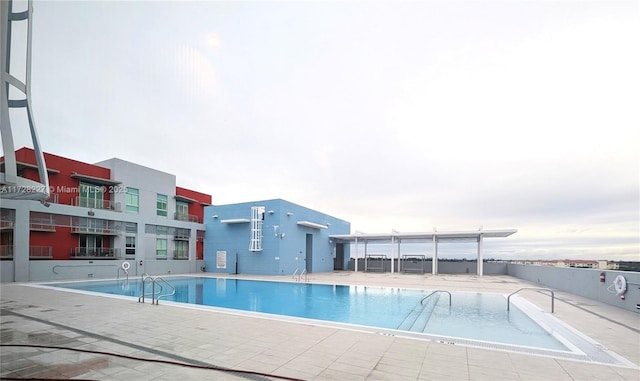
(583, 282)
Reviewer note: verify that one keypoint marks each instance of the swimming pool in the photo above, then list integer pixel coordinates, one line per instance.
(482, 317)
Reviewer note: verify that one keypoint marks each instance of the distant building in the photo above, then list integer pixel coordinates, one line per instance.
(575, 263)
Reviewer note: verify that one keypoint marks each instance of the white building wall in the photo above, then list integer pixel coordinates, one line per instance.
(149, 182)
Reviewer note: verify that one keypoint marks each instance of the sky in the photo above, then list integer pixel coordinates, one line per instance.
(390, 114)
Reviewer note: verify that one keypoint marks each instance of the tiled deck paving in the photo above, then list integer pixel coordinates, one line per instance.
(305, 351)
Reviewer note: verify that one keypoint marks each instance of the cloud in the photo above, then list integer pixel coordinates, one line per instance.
(405, 116)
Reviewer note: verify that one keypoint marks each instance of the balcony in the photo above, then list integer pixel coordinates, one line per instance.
(42, 225)
(96, 204)
(6, 251)
(180, 254)
(94, 253)
(40, 252)
(94, 230)
(185, 217)
(53, 198)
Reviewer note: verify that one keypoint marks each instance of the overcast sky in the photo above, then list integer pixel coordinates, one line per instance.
(390, 115)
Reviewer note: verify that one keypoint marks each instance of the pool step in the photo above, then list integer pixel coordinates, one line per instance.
(417, 319)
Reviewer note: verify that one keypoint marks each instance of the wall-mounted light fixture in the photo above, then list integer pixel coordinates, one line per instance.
(271, 212)
(289, 214)
(215, 216)
(91, 213)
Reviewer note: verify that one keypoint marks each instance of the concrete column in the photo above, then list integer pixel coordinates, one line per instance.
(392, 242)
(193, 239)
(399, 263)
(140, 247)
(480, 263)
(21, 244)
(434, 266)
(356, 259)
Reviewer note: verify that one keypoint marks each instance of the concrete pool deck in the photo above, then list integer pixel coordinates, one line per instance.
(113, 326)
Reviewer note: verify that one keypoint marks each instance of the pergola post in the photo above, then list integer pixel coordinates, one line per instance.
(480, 262)
(392, 242)
(434, 266)
(356, 260)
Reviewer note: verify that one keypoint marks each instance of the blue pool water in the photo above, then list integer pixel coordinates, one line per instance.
(475, 316)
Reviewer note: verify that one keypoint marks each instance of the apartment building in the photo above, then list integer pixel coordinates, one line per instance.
(98, 217)
(573, 263)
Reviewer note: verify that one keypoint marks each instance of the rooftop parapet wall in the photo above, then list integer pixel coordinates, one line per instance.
(583, 282)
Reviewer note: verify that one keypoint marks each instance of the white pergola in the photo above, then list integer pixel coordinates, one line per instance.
(435, 237)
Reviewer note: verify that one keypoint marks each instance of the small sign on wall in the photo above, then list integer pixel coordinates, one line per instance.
(221, 259)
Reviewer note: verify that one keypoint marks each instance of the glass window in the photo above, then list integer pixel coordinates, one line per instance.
(133, 200)
(161, 248)
(182, 211)
(130, 246)
(91, 195)
(161, 205)
(182, 250)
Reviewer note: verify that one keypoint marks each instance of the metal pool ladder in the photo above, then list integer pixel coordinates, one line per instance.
(423, 299)
(537, 289)
(300, 276)
(155, 298)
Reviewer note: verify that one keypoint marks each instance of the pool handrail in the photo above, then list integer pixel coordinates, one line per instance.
(537, 289)
(173, 289)
(155, 296)
(123, 270)
(144, 277)
(303, 273)
(423, 299)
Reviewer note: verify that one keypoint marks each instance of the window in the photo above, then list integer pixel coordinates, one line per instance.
(133, 200)
(161, 248)
(182, 250)
(90, 245)
(91, 195)
(90, 225)
(182, 211)
(161, 205)
(130, 246)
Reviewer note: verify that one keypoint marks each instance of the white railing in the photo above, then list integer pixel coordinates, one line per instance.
(42, 224)
(96, 204)
(185, 217)
(95, 253)
(40, 252)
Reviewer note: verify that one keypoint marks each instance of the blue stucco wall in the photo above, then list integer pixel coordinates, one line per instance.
(283, 253)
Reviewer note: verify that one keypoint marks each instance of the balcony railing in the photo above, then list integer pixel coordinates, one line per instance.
(40, 252)
(94, 253)
(180, 254)
(6, 225)
(6, 251)
(96, 204)
(94, 230)
(42, 225)
(185, 217)
(53, 198)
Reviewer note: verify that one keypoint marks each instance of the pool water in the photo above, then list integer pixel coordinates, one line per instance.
(475, 316)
